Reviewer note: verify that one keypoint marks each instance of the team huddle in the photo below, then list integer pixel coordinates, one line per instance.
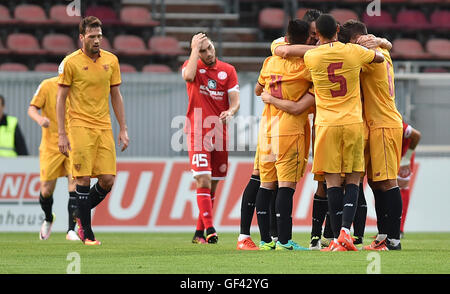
(336, 73)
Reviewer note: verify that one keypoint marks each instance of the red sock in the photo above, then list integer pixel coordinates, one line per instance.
(405, 200)
(205, 206)
(200, 225)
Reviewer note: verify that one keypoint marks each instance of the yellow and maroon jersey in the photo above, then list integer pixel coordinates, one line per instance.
(377, 83)
(45, 99)
(284, 78)
(278, 42)
(335, 69)
(90, 82)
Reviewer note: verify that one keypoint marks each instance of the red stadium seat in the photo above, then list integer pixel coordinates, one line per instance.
(382, 22)
(342, 15)
(106, 14)
(31, 14)
(3, 50)
(130, 45)
(158, 68)
(20, 43)
(301, 12)
(12, 66)
(435, 70)
(137, 16)
(440, 19)
(165, 45)
(59, 15)
(124, 67)
(271, 18)
(46, 67)
(439, 48)
(5, 16)
(58, 44)
(408, 49)
(412, 20)
(425, 1)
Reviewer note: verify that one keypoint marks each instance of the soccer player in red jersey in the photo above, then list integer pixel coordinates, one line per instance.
(411, 138)
(213, 91)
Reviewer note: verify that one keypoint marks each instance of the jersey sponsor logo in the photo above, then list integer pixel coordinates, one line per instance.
(222, 75)
(212, 84)
(202, 70)
(216, 95)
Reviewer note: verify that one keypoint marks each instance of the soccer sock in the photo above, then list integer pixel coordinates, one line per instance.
(283, 210)
(97, 194)
(273, 215)
(319, 211)
(359, 223)
(248, 204)
(350, 203)
(394, 212)
(405, 200)
(380, 209)
(263, 199)
(205, 206)
(327, 231)
(335, 208)
(84, 210)
(71, 206)
(46, 205)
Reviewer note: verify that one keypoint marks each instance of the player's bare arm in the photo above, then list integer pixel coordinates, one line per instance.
(296, 50)
(234, 106)
(372, 42)
(119, 111)
(379, 58)
(63, 140)
(292, 107)
(258, 89)
(191, 68)
(33, 112)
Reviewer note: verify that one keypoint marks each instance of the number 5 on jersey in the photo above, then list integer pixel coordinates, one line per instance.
(200, 160)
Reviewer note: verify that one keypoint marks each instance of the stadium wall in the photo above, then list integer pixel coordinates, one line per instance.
(158, 195)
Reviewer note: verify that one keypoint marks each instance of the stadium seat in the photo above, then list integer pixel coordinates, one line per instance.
(425, 1)
(435, 70)
(124, 67)
(3, 50)
(158, 68)
(412, 20)
(106, 14)
(31, 14)
(20, 43)
(5, 16)
(58, 44)
(271, 18)
(59, 15)
(381, 22)
(12, 66)
(105, 44)
(408, 49)
(301, 12)
(439, 48)
(440, 19)
(46, 67)
(137, 16)
(342, 15)
(165, 45)
(130, 45)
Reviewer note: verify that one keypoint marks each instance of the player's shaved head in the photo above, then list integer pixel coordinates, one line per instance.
(297, 31)
(350, 30)
(326, 26)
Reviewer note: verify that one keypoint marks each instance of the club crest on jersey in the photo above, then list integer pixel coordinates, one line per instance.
(222, 75)
(202, 70)
(212, 84)
(106, 67)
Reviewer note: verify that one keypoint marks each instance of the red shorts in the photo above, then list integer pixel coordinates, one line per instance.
(208, 157)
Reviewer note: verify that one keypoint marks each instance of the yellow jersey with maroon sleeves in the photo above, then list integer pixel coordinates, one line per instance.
(284, 78)
(377, 83)
(90, 82)
(45, 99)
(335, 69)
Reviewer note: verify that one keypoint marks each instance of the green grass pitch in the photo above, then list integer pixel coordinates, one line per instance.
(173, 253)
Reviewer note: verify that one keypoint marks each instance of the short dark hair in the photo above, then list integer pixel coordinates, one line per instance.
(2, 100)
(326, 25)
(89, 22)
(350, 29)
(311, 15)
(201, 32)
(297, 31)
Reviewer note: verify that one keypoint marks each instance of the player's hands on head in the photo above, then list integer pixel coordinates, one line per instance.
(44, 122)
(123, 139)
(197, 41)
(64, 144)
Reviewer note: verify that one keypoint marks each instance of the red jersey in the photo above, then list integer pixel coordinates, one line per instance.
(406, 138)
(208, 95)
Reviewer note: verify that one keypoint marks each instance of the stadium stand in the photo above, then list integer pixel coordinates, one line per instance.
(130, 45)
(12, 66)
(128, 68)
(156, 68)
(408, 49)
(24, 44)
(58, 15)
(137, 16)
(164, 45)
(58, 44)
(31, 14)
(46, 67)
